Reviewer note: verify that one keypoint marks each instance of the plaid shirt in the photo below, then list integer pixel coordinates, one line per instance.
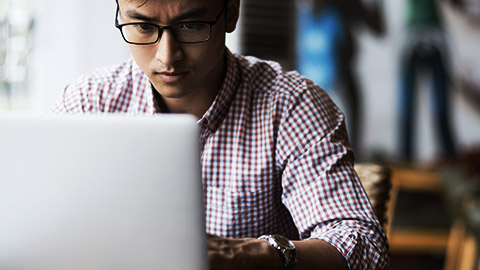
(275, 156)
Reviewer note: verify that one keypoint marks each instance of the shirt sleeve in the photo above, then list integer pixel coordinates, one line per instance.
(99, 90)
(70, 102)
(320, 187)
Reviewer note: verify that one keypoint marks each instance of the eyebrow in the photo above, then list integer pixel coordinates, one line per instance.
(193, 13)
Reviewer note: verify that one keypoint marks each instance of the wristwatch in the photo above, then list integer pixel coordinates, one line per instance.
(285, 247)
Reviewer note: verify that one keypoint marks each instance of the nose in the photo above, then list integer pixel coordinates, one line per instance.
(168, 49)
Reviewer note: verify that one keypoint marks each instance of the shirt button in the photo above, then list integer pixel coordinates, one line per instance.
(212, 126)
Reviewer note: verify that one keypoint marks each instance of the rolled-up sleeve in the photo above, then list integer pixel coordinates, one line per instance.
(320, 187)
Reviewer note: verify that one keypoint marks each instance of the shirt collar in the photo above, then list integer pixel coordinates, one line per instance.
(219, 108)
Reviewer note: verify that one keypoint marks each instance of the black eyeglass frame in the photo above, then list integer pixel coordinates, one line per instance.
(169, 27)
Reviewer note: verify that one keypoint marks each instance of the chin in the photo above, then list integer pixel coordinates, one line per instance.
(174, 93)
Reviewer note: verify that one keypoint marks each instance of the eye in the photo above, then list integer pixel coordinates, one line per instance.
(190, 26)
(145, 28)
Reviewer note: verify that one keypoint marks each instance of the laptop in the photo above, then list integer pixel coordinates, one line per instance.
(100, 192)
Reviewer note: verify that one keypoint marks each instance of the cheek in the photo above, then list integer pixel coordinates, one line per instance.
(214, 48)
(210, 52)
(196, 55)
(142, 56)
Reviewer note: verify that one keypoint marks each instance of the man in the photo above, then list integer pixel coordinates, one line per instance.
(275, 157)
(425, 49)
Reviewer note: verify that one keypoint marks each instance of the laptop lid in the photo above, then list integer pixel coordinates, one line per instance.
(100, 192)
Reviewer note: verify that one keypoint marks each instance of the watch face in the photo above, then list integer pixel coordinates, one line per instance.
(283, 242)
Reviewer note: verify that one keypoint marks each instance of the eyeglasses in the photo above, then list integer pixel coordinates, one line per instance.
(183, 32)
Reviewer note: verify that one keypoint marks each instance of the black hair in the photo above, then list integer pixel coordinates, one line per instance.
(145, 1)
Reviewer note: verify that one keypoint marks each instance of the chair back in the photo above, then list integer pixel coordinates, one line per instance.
(376, 179)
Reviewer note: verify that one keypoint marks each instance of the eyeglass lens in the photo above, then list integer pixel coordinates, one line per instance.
(182, 32)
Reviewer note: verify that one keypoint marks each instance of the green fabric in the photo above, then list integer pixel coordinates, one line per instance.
(423, 13)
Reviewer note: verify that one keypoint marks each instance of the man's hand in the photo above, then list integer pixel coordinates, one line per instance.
(246, 253)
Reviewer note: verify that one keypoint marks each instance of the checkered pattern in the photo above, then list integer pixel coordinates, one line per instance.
(275, 156)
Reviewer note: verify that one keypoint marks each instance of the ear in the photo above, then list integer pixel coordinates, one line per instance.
(232, 15)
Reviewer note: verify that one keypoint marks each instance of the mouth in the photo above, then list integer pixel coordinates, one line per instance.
(171, 77)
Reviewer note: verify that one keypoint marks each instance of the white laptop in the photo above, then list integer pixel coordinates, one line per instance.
(100, 192)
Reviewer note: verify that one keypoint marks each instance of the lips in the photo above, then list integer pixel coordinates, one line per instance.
(171, 77)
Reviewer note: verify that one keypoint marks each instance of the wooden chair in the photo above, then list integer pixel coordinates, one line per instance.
(376, 179)
(463, 196)
(414, 239)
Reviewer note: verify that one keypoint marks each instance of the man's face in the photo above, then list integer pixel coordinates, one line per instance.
(176, 69)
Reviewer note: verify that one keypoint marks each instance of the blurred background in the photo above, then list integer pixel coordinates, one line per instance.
(406, 74)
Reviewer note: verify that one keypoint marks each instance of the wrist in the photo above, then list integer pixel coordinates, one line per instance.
(271, 258)
(284, 248)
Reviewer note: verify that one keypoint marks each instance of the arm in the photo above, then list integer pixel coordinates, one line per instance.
(75, 98)
(335, 207)
(322, 193)
(369, 13)
(251, 253)
(458, 3)
(318, 254)
(105, 90)
(374, 18)
(69, 102)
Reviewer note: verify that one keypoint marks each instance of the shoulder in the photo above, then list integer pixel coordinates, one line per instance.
(103, 89)
(268, 78)
(259, 72)
(112, 75)
(264, 74)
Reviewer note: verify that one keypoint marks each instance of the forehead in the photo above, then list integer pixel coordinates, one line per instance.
(166, 10)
